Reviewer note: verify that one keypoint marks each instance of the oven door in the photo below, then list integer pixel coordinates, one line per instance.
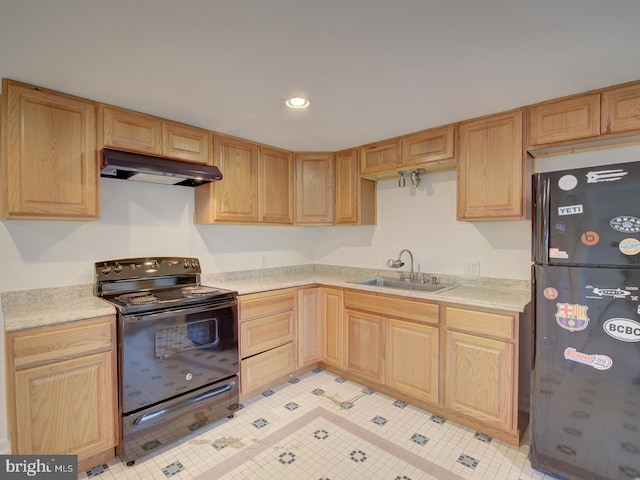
(169, 353)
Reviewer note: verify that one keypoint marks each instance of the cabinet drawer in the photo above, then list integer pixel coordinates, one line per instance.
(481, 323)
(418, 311)
(40, 346)
(260, 304)
(264, 333)
(266, 367)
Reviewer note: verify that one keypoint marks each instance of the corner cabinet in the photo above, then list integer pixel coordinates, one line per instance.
(49, 166)
(491, 169)
(62, 390)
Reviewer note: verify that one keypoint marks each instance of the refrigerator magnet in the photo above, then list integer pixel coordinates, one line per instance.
(567, 182)
(605, 175)
(629, 246)
(622, 329)
(625, 224)
(599, 362)
(572, 317)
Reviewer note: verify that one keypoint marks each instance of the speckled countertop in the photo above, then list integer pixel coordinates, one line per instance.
(40, 307)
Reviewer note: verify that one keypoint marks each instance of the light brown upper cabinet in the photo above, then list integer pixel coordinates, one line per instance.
(137, 132)
(355, 196)
(49, 163)
(314, 188)
(379, 157)
(429, 148)
(491, 169)
(186, 143)
(275, 174)
(570, 119)
(621, 109)
(581, 122)
(234, 199)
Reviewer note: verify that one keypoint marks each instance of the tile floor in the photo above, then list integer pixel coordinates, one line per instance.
(320, 426)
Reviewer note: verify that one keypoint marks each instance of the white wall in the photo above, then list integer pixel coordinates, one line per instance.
(141, 219)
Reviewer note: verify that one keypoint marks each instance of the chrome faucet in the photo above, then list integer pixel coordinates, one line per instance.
(399, 263)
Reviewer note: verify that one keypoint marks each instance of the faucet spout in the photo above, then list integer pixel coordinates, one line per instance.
(398, 263)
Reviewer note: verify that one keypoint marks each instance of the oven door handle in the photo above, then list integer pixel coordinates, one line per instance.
(163, 412)
(167, 313)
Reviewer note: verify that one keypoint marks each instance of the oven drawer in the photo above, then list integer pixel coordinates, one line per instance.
(258, 305)
(264, 333)
(267, 367)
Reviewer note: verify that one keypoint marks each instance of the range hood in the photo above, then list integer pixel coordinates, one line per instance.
(145, 168)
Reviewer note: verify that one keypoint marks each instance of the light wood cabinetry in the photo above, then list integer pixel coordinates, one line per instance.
(186, 143)
(61, 390)
(429, 148)
(124, 129)
(621, 109)
(275, 185)
(355, 196)
(309, 310)
(411, 359)
(393, 341)
(381, 156)
(491, 169)
(364, 344)
(267, 339)
(570, 119)
(49, 167)
(314, 188)
(234, 199)
(481, 373)
(332, 306)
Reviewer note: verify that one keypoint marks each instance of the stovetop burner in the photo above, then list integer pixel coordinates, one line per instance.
(140, 285)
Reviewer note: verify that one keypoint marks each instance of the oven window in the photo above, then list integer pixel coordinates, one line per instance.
(189, 336)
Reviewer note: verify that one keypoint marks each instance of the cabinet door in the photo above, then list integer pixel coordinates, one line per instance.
(429, 147)
(355, 196)
(491, 169)
(275, 169)
(378, 157)
(365, 345)
(309, 326)
(412, 359)
(49, 159)
(66, 407)
(186, 143)
(314, 188)
(133, 131)
(621, 109)
(332, 327)
(233, 199)
(480, 379)
(569, 119)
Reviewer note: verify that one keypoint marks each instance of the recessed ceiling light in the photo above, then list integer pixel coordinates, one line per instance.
(297, 102)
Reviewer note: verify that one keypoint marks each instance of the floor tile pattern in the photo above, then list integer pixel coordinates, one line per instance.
(320, 426)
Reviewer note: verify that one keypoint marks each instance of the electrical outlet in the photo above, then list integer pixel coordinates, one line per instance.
(472, 268)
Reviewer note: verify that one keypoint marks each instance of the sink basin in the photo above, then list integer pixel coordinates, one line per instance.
(404, 284)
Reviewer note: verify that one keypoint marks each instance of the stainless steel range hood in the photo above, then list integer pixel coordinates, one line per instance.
(145, 168)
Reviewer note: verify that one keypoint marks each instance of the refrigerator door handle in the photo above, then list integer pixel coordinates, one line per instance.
(541, 219)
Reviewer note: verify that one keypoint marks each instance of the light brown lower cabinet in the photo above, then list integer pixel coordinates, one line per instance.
(364, 342)
(309, 326)
(267, 324)
(62, 387)
(332, 308)
(412, 359)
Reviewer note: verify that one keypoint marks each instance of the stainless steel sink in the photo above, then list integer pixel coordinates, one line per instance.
(404, 284)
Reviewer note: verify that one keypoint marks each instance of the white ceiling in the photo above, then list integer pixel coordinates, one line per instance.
(372, 69)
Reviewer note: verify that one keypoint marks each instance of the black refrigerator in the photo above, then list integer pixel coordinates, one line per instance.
(585, 398)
